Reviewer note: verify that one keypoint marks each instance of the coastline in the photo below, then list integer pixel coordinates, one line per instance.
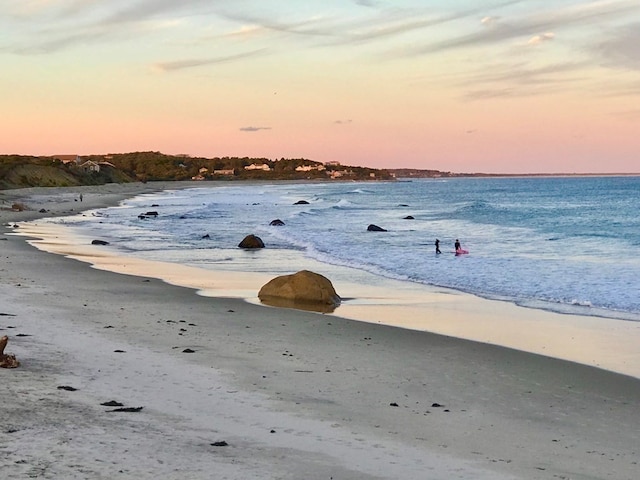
(610, 344)
(326, 385)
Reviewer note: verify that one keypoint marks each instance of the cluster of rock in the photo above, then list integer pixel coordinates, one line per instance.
(302, 290)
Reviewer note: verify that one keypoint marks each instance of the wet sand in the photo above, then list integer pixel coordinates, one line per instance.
(292, 394)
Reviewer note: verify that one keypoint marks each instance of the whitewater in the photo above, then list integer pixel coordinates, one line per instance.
(564, 244)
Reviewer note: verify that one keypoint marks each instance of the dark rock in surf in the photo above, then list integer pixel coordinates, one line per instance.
(301, 202)
(276, 223)
(409, 217)
(251, 241)
(99, 242)
(375, 228)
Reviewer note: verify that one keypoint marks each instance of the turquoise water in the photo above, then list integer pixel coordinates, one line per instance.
(564, 244)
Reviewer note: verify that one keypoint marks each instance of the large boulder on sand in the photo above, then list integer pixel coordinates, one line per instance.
(304, 289)
(251, 241)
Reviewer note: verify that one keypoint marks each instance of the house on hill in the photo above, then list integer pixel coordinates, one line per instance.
(89, 166)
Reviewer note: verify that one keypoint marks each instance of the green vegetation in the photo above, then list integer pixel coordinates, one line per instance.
(18, 171)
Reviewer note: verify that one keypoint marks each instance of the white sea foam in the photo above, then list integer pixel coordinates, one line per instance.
(532, 241)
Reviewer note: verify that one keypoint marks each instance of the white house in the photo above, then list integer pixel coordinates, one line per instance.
(308, 168)
(262, 166)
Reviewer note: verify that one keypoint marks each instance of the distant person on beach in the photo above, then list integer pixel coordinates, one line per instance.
(457, 245)
(80, 197)
(438, 246)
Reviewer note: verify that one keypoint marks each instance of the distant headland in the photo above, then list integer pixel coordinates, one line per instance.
(20, 171)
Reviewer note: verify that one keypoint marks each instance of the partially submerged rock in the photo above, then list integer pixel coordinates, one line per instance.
(251, 241)
(375, 228)
(7, 360)
(303, 290)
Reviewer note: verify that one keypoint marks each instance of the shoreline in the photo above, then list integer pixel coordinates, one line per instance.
(602, 342)
(610, 344)
(295, 394)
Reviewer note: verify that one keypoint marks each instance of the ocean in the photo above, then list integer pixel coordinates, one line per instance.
(564, 244)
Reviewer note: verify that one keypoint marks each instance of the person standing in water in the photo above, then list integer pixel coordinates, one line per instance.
(438, 246)
(457, 245)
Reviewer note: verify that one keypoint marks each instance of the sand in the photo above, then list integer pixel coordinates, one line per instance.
(236, 390)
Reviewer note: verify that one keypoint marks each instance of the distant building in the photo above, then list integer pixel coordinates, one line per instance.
(332, 163)
(203, 170)
(229, 171)
(262, 166)
(308, 168)
(340, 173)
(89, 166)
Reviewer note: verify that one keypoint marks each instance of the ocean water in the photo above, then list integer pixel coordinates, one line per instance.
(565, 244)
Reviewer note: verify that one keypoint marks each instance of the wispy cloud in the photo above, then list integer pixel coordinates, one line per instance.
(622, 49)
(166, 67)
(489, 21)
(49, 26)
(315, 26)
(530, 25)
(396, 22)
(366, 3)
(518, 80)
(543, 37)
(136, 11)
(253, 129)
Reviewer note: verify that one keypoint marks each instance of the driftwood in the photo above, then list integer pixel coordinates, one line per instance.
(7, 360)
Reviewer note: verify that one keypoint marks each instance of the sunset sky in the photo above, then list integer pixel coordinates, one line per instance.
(456, 85)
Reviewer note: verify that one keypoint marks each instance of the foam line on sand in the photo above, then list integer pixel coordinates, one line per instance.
(230, 389)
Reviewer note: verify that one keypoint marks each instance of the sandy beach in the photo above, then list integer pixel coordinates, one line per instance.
(232, 389)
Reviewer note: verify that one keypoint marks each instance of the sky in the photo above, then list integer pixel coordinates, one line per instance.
(493, 86)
